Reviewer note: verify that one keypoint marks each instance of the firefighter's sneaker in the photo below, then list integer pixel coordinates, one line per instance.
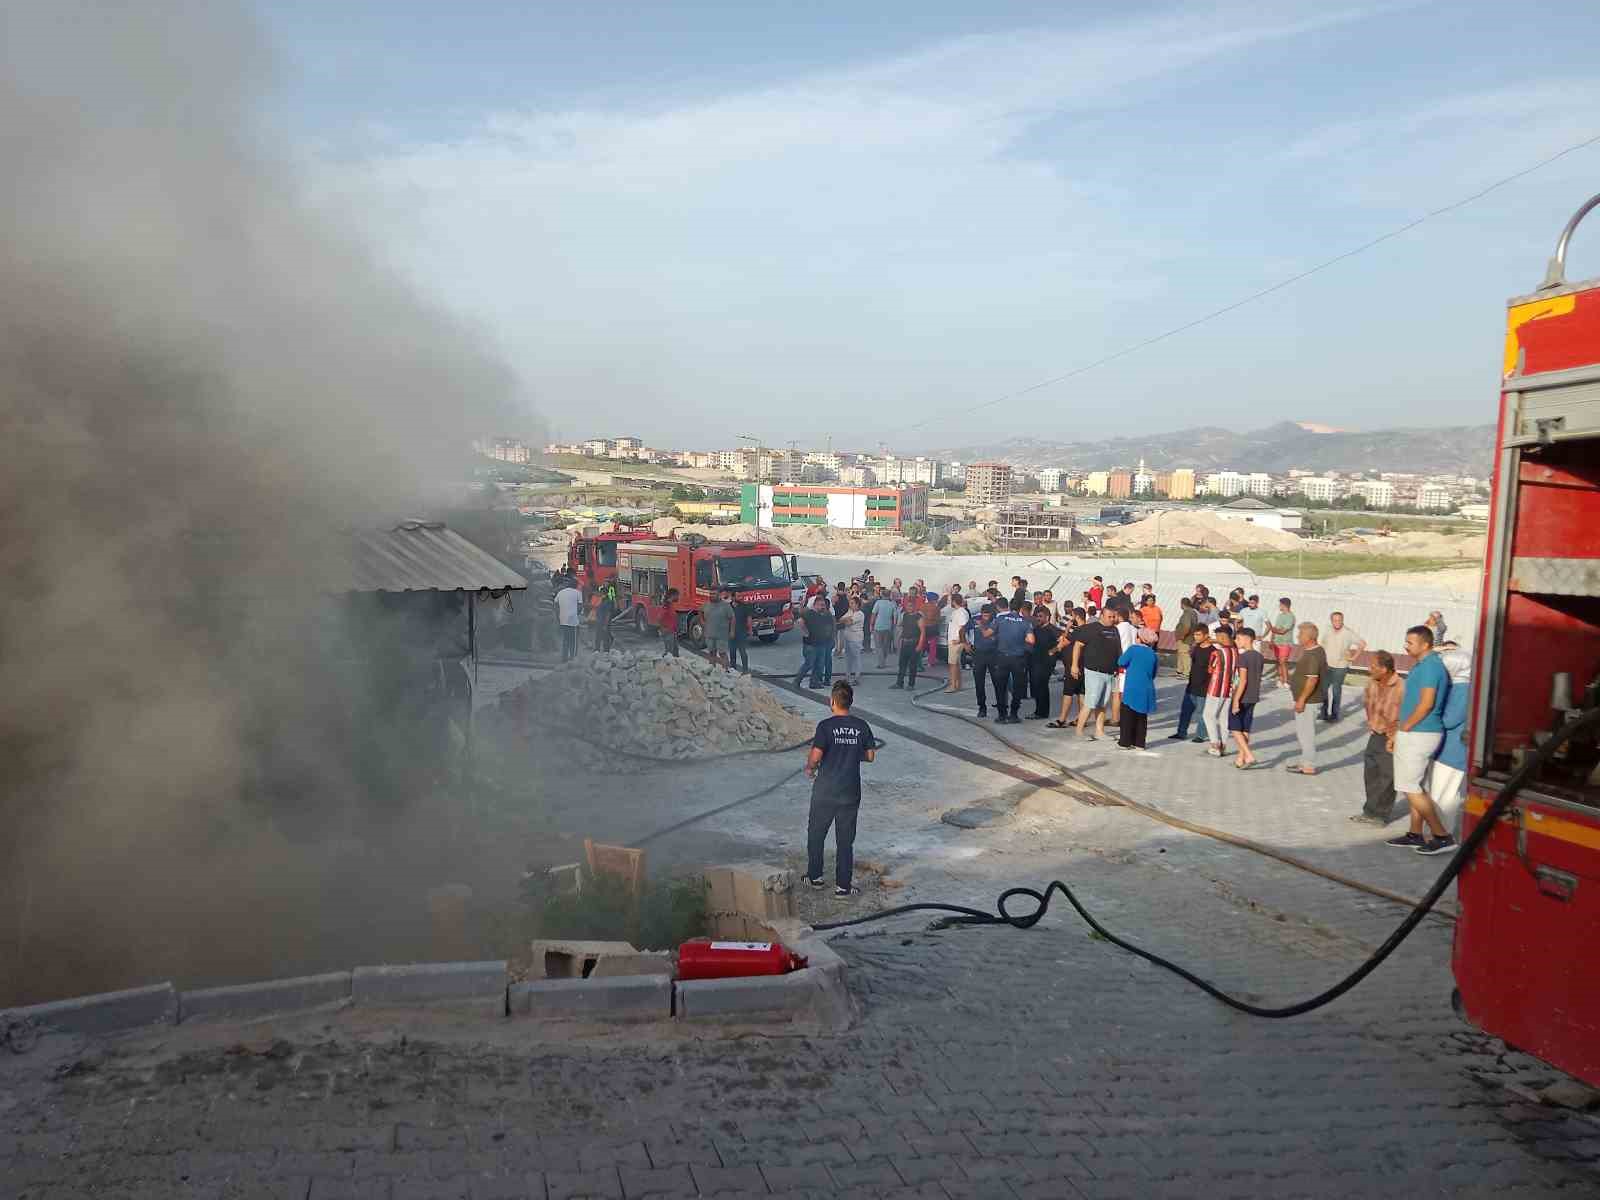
(817, 883)
(842, 893)
(1438, 845)
(1406, 841)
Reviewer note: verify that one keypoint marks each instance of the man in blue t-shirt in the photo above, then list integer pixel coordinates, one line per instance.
(1417, 740)
(833, 764)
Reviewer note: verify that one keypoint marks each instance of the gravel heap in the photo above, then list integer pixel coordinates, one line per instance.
(673, 708)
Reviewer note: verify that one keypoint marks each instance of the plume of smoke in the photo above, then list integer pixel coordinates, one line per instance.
(200, 382)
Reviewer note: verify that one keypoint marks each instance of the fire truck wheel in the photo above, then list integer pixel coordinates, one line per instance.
(1456, 1006)
(697, 632)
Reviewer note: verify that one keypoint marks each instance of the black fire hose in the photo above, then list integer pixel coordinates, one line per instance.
(1002, 916)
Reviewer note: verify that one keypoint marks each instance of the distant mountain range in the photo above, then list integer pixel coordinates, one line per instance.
(1456, 450)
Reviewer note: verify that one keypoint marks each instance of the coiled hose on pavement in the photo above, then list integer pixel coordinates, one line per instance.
(1463, 855)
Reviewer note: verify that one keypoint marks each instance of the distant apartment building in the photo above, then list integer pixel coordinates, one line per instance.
(1119, 485)
(772, 505)
(1377, 493)
(891, 468)
(1181, 484)
(1225, 483)
(1321, 489)
(1435, 497)
(1050, 479)
(955, 472)
(1097, 483)
(1161, 484)
(1259, 484)
(858, 476)
(596, 447)
(989, 482)
(626, 445)
(511, 450)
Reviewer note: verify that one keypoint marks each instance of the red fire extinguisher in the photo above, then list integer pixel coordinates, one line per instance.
(702, 958)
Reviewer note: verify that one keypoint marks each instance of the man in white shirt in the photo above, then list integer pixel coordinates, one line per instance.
(1128, 635)
(569, 604)
(955, 620)
(1342, 646)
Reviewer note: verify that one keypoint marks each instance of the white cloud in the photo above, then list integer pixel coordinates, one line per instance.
(883, 234)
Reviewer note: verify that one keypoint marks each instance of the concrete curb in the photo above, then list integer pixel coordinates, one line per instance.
(245, 1001)
(614, 998)
(473, 985)
(107, 1012)
(816, 996)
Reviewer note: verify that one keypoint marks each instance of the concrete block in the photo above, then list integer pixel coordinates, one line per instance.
(630, 998)
(249, 1000)
(107, 1012)
(753, 889)
(568, 959)
(736, 927)
(476, 985)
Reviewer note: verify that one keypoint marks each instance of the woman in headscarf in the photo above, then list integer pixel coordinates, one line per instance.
(1449, 769)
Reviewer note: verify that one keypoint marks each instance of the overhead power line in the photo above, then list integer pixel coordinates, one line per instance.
(1264, 292)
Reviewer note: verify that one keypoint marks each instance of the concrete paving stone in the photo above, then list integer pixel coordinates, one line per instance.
(331, 1164)
(323, 1188)
(955, 1141)
(714, 1181)
(834, 1129)
(884, 1146)
(457, 1187)
(978, 1189)
(584, 1185)
(927, 1170)
(594, 1155)
(783, 1179)
(656, 1181)
(428, 1137)
(509, 1185)
(828, 1154)
(685, 1152)
(877, 1172)
(997, 1144)
(378, 1136)
(391, 1163)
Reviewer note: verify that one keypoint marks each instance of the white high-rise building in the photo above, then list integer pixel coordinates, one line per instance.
(1225, 483)
(1321, 489)
(1050, 479)
(1435, 497)
(1377, 493)
(1259, 483)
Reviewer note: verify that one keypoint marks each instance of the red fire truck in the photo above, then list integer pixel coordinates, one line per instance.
(1525, 961)
(758, 572)
(592, 558)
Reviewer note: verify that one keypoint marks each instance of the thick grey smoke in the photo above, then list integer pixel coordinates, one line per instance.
(199, 384)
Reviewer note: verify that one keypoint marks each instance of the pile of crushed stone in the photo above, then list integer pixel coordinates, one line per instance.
(652, 707)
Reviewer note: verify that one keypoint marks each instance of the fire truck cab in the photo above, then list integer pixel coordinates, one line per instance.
(1524, 955)
(758, 572)
(592, 557)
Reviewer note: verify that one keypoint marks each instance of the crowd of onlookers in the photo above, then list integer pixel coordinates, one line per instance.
(1091, 663)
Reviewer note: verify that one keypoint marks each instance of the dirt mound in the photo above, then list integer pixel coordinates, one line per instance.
(1422, 544)
(1202, 530)
(650, 707)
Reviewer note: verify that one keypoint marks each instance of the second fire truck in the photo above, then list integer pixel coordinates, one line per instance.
(758, 572)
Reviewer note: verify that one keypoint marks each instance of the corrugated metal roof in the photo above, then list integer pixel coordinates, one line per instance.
(421, 556)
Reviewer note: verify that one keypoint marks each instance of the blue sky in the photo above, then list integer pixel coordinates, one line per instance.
(689, 221)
